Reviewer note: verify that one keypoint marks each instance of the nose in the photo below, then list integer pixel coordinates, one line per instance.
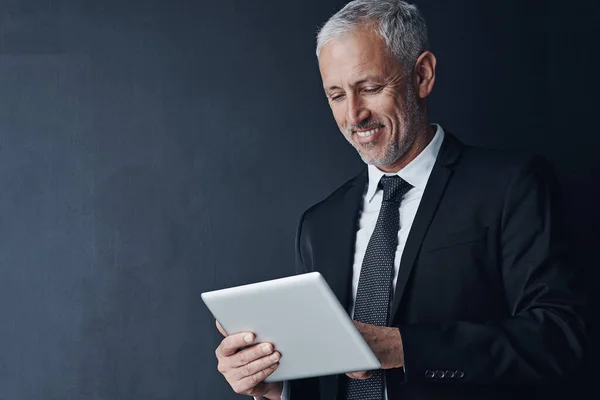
(356, 111)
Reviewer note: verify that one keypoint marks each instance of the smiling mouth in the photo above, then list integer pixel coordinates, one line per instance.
(368, 133)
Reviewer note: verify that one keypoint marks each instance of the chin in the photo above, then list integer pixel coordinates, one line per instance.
(377, 161)
(371, 151)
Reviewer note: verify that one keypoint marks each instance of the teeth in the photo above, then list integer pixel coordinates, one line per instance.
(367, 133)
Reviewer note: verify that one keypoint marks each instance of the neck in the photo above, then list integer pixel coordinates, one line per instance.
(423, 138)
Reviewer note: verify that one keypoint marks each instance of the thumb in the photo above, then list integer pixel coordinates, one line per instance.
(220, 328)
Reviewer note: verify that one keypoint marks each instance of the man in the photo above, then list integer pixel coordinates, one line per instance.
(451, 259)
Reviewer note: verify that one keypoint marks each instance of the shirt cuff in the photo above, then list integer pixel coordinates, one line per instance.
(285, 395)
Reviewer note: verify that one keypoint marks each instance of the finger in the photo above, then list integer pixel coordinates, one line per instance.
(232, 343)
(248, 384)
(250, 354)
(360, 375)
(254, 367)
(221, 329)
(359, 325)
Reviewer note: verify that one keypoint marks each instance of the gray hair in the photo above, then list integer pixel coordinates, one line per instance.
(399, 23)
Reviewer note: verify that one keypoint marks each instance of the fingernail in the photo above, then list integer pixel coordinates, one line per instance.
(248, 338)
(266, 349)
(273, 366)
(274, 357)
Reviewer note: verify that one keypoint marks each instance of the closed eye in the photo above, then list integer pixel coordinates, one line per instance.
(372, 89)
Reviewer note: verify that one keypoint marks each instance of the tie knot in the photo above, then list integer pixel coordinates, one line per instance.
(394, 187)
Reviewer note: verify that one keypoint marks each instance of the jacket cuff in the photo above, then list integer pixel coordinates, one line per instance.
(429, 356)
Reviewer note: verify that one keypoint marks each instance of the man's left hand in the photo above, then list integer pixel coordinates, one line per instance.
(386, 344)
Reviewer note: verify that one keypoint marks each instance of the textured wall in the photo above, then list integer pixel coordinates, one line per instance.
(152, 150)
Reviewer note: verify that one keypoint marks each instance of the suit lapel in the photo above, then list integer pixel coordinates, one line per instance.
(440, 174)
(341, 239)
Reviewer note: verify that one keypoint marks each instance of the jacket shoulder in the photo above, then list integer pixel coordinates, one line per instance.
(502, 162)
(336, 198)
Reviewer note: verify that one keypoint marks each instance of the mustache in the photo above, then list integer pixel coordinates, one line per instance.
(368, 125)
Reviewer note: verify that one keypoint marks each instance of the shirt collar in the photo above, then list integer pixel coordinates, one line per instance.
(415, 172)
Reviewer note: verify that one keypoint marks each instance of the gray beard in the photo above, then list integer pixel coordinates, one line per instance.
(398, 149)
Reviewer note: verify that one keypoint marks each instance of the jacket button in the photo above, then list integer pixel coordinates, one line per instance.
(429, 374)
(440, 374)
(459, 374)
(449, 374)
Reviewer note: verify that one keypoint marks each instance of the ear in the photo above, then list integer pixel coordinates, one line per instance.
(425, 73)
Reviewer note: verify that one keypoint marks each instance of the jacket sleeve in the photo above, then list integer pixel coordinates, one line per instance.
(543, 339)
(300, 389)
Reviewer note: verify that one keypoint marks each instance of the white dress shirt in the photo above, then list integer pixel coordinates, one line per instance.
(417, 174)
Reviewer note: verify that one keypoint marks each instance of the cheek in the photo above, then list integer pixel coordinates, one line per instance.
(385, 106)
(379, 110)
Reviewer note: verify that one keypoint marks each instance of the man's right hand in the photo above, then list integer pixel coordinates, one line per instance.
(245, 369)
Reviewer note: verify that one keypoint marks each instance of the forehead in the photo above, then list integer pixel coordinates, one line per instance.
(354, 56)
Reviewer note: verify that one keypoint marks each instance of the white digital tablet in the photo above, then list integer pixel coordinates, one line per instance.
(303, 319)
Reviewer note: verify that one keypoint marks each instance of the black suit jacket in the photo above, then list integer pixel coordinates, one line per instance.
(486, 300)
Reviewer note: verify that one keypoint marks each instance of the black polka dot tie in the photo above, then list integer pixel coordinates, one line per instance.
(375, 289)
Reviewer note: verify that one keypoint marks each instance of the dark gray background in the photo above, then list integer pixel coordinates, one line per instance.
(152, 150)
